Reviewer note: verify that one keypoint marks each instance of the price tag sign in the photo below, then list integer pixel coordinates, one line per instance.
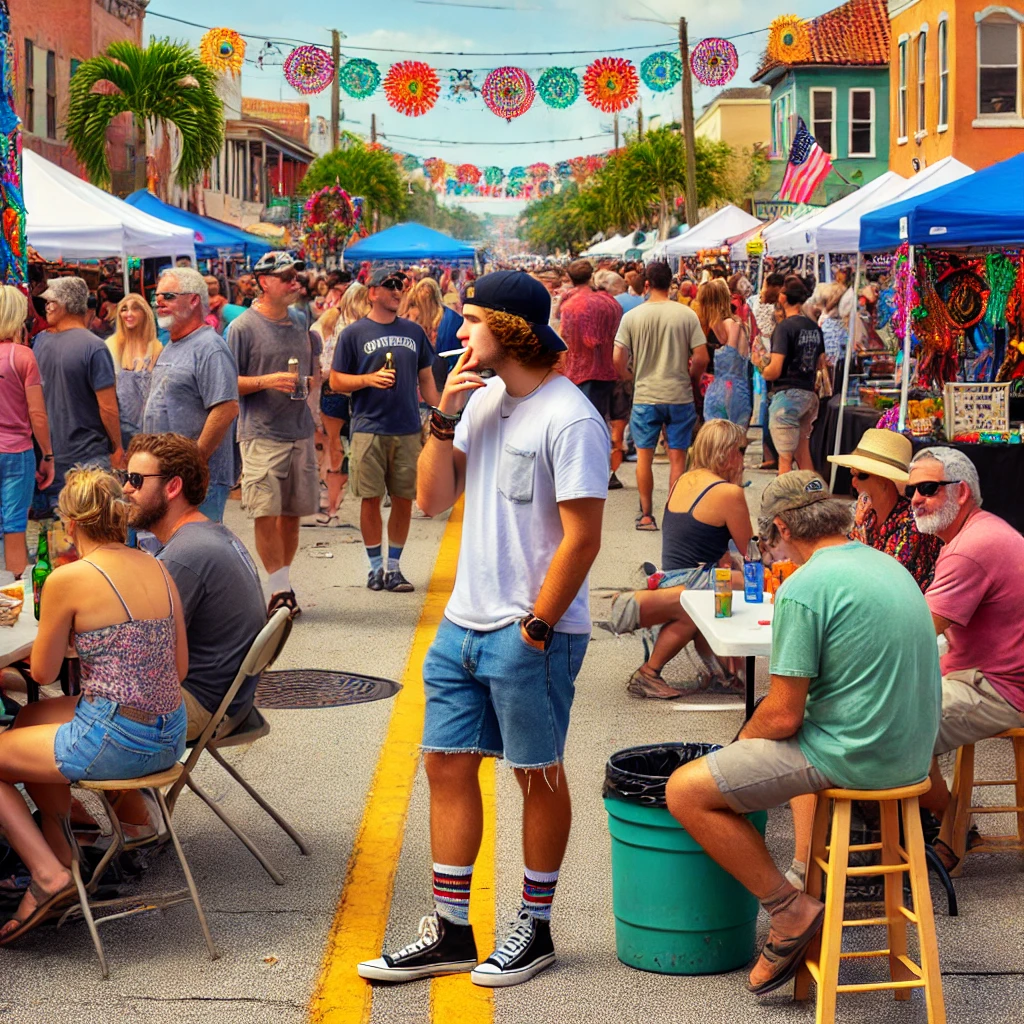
(971, 408)
(755, 247)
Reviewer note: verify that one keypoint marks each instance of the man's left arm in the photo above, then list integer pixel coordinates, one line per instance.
(781, 713)
(218, 421)
(428, 389)
(581, 541)
(217, 381)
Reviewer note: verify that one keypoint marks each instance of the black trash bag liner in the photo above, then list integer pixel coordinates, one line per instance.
(639, 774)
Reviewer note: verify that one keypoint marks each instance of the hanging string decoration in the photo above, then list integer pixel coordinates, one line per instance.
(546, 188)
(493, 176)
(461, 85)
(1001, 275)
(559, 87)
(331, 218)
(13, 245)
(508, 92)
(661, 71)
(410, 163)
(939, 336)
(359, 77)
(905, 293)
(539, 171)
(222, 49)
(308, 69)
(789, 40)
(611, 84)
(563, 170)
(412, 87)
(467, 174)
(714, 62)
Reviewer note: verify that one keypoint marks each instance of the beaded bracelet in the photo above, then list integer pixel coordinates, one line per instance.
(441, 435)
(442, 420)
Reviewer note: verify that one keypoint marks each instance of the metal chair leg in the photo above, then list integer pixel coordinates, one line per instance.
(83, 899)
(246, 841)
(188, 876)
(295, 837)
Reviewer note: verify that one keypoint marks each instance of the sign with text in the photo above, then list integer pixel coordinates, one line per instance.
(772, 208)
(976, 407)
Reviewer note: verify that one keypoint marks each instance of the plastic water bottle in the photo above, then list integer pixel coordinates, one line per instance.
(753, 574)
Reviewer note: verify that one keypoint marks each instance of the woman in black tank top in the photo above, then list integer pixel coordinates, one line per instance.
(706, 509)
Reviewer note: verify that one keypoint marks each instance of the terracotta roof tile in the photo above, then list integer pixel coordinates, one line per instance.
(857, 33)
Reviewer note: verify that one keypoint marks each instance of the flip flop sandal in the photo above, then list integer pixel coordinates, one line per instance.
(48, 904)
(285, 599)
(785, 959)
(646, 522)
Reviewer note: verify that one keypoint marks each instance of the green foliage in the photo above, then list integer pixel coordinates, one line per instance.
(637, 186)
(164, 83)
(361, 171)
(425, 208)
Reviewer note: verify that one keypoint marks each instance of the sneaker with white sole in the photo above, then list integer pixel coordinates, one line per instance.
(523, 955)
(442, 947)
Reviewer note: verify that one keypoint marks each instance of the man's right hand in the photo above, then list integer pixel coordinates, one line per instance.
(382, 379)
(461, 383)
(284, 382)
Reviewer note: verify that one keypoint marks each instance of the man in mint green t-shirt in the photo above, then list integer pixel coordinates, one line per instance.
(855, 701)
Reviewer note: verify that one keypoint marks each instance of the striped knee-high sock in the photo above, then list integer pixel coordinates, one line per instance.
(538, 892)
(451, 892)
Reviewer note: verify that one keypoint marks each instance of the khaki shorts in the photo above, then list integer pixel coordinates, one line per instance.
(972, 710)
(199, 718)
(755, 775)
(279, 478)
(379, 462)
(791, 417)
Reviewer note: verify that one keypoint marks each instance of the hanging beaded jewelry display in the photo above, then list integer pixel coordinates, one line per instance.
(1001, 275)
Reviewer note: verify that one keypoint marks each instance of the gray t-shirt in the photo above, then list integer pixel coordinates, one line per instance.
(192, 375)
(223, 606)
(74, 365)
(660, 338)
(262, 346)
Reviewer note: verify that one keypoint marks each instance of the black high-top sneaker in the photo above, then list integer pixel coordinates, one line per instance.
(525, 953)
(442, 948)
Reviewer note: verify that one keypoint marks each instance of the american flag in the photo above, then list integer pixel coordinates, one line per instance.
(808, 166)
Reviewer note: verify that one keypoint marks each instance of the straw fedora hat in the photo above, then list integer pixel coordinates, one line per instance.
(881, 452)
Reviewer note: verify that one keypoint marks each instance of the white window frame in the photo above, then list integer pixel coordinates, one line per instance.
(989, 118)
(942, 65)
(849, 146)
(901, 91)
(921, 94)
(782, 124)
(812, 119)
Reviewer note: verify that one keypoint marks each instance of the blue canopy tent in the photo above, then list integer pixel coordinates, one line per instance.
(409, 242)
(984, 209)
(213, 237)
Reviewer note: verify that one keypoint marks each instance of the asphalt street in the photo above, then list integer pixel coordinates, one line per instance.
(349, 779)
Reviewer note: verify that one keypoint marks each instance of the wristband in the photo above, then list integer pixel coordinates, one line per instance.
(48, 458)
(443, 420)
(441, 435)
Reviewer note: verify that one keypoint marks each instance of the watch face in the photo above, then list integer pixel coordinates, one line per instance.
(537, 630)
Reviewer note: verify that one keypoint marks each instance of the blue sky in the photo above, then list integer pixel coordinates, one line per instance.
(526, 26)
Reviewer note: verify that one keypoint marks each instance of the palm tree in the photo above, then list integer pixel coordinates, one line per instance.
(164, 83)
(364, 171)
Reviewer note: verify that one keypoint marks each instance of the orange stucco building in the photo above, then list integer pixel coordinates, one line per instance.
(956, 87)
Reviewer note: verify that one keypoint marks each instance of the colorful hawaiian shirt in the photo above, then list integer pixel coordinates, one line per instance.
(898, 536)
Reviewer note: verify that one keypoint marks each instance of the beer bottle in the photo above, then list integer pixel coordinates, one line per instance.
(389, 364)
(41, 569)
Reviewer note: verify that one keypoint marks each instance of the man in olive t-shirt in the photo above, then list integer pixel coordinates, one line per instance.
(664, 343)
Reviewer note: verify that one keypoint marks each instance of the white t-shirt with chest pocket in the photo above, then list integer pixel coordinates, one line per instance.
(523, 457)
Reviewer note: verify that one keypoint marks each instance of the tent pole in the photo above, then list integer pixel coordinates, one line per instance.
(126, 275)
(905, 380)
(850, 342)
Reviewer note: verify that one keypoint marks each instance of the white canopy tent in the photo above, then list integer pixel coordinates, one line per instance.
(614, 246)
(728, 222)
(738, 252)
(67, 218)
(842, 233)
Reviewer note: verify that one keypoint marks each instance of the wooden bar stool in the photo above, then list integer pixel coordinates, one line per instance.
(962, 794)
(829, 863)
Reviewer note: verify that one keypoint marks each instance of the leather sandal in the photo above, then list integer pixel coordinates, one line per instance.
(47, 906)
(645, 521)
(284, 599)
(784, 957)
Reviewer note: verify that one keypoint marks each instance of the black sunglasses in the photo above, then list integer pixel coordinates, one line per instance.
(135, 479)
(861, 476)
(929, 488)
(392, 285)
(168, 296)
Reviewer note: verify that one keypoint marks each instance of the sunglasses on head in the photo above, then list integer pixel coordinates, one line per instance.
(135, 479)
(928, 488)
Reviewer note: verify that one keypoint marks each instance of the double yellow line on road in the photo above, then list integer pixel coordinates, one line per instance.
(360, 920)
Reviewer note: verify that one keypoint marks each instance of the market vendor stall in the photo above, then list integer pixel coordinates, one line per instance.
(711, 232)
(409, 242)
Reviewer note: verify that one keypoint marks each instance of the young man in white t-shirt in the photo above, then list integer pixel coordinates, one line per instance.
(531, 454)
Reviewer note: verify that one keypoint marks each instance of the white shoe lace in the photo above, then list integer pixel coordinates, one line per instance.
(428, 936)
(518, 939)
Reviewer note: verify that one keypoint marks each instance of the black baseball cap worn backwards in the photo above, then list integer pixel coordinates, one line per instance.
(515, 292)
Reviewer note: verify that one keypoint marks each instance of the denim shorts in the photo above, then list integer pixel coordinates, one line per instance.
(492, 693)
(17, 484)
(792, 414)
(647, 421)
(98, 743)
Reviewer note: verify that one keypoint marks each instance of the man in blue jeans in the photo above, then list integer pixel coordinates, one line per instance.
(664, 343)
(531, 455)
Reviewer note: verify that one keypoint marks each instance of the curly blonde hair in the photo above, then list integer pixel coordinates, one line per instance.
(516, 337)
(92, 499)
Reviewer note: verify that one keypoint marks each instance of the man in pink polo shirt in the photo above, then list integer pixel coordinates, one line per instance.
(976, 599)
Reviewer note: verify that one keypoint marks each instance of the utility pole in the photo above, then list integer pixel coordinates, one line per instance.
(639, 122)
(373, 127)
(335, 93)
(616, 123)
(692, 216)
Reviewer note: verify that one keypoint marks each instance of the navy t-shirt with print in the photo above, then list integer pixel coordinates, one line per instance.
(800, 340)
(361, 348)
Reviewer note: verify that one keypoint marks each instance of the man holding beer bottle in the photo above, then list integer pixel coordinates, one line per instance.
(380, 361)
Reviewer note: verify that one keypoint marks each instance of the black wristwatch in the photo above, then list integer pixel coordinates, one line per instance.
(538, 629)
(48, 458)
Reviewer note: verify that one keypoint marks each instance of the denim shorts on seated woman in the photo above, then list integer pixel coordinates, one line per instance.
(493, 694)
(98, 743)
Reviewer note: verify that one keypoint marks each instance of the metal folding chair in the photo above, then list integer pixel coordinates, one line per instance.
(261, 655)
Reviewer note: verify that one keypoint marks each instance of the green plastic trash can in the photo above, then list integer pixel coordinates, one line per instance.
(676, 911)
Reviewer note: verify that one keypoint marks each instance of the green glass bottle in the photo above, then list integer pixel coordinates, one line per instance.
(41, 569)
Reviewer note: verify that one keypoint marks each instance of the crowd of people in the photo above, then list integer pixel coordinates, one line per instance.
(521, 401)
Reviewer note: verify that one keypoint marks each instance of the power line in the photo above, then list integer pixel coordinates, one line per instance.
(474, 142)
